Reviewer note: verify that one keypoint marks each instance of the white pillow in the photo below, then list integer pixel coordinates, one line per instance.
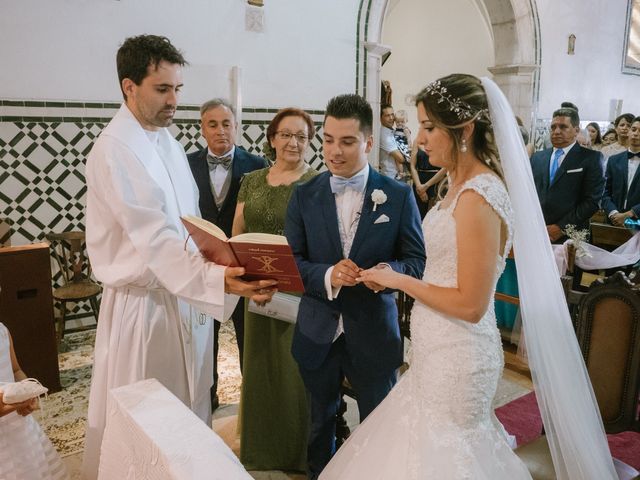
(20, 391)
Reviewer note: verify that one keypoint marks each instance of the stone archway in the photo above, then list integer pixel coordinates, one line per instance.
(516, 36)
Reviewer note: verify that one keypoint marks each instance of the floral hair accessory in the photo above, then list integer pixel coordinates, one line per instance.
(463, 110)
(378, 197)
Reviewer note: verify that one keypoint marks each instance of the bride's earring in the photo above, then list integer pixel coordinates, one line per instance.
(463, 147)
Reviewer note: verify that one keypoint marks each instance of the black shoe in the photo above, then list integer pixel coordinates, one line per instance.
(215, 402)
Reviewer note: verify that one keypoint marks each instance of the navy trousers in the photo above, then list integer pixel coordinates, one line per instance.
(323, 385)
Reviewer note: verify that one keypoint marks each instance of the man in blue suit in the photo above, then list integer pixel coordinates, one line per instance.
(622, 187)
(568, 177)
(344, 220)
(217, 170)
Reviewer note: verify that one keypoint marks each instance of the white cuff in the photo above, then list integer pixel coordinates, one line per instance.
(613, 212)
(332, 292)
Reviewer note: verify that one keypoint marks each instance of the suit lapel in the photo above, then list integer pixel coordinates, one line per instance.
(330, 213)
(634, 180)
(567, 163)
(367, 213)
(237, 170)
(207, 176)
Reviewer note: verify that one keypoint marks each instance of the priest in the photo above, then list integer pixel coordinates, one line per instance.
(160, 296)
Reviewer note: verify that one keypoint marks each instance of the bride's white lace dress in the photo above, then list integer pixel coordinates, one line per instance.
(438, 422)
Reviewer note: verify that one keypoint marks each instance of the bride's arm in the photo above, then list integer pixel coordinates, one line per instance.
(478, 229)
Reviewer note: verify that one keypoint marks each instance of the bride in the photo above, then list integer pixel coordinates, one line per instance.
(438, 422)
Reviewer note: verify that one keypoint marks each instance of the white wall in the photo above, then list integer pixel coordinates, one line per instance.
(430, 39)
(591, 77)
(65, 49)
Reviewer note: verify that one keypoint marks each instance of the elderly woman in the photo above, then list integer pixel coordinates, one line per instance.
(273, 418)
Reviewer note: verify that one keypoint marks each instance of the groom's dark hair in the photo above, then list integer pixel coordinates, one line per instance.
(351, 106)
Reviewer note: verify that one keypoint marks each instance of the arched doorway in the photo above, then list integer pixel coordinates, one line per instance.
(516, 42)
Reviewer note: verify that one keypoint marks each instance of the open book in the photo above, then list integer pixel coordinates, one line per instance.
(263, 255)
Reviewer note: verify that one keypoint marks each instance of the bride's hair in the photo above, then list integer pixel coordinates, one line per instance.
(455, 101)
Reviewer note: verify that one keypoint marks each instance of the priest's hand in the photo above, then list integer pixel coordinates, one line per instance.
(259, 291)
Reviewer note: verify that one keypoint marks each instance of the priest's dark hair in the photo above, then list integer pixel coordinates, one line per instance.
(351, 106)
(136, 54)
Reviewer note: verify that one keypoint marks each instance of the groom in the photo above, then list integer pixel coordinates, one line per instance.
(344, 220)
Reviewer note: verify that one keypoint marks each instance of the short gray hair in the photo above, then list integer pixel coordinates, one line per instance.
(217, 102)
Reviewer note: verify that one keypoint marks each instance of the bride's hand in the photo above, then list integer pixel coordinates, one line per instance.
(381, 275)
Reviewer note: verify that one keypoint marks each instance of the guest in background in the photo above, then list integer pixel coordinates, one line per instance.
(391, 159)
(568, 177)
(621, 125)
(621, 198)
(425, 178)
(217, 170)
(273, 416)
(593, 129)
(402, 134)
(610, 137)
(525, 136)
(27, 453)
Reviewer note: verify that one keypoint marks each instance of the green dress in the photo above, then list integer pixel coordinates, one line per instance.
(274, 417)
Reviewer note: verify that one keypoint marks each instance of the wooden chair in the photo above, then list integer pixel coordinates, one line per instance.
(69, 252)
(608, 329)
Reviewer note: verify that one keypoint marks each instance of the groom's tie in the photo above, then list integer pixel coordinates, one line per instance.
(339, 184)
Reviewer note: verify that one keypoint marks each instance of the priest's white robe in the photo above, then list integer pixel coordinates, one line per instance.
(159, 293)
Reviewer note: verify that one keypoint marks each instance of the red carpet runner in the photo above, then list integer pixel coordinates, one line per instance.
(521, 418)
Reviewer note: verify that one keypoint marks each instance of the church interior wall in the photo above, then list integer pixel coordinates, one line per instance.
(59, 88)
(58, 85)
(592, 76)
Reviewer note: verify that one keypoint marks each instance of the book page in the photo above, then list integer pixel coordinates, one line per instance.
(207, 226)
(263, 238)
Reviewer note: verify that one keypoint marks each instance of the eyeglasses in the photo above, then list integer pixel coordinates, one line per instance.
(286, 136)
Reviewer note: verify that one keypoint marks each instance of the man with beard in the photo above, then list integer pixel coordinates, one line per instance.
(159, 294)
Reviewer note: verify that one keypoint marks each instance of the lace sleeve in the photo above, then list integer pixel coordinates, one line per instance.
(491, 188)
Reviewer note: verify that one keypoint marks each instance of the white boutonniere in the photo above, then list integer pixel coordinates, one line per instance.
(378, 197)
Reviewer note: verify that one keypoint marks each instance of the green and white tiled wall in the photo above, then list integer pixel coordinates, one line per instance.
(43, 149)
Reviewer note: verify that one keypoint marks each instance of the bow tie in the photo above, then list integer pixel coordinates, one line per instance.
(338, 184)
(224, 162)
(633, 156)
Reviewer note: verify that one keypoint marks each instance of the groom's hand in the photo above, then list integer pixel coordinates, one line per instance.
(344, 274)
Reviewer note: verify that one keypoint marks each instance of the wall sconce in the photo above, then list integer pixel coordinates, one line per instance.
(571, 48)
(256, 3)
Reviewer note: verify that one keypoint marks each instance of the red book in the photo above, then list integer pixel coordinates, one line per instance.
(263, 255)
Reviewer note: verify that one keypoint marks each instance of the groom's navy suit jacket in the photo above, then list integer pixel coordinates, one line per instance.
(576, 190)
(370, 319)
(243, 162)
(617, 188)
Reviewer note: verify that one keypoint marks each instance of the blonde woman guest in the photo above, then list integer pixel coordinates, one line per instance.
(273, 419)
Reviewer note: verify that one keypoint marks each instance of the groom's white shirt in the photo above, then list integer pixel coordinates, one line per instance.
(348, 206)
